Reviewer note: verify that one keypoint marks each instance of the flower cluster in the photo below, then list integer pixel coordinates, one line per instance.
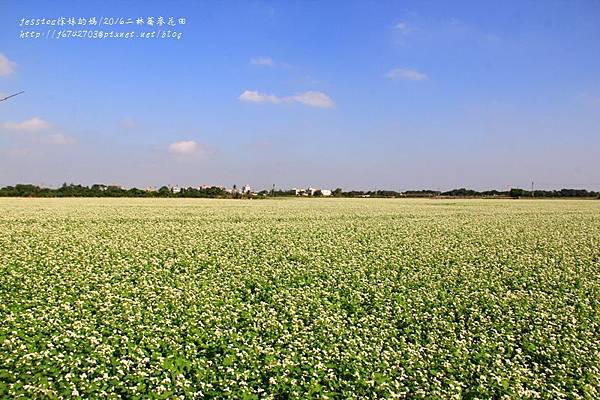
(330, 298)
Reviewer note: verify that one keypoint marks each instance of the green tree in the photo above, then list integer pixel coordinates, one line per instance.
(164, 191)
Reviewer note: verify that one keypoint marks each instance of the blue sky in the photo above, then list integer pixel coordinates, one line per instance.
(356, 94)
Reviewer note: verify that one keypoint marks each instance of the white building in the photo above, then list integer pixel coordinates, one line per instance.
(175, 189)
(311, 191)
(246, 189)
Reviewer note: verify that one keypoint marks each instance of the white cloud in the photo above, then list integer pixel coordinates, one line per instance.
(7, 66)
(263, 61)
(34, 124)
(257, 97)
(36, 130)
(402, 27)
(404, 73)
(58, 138)
(310, 98)
(187, 148)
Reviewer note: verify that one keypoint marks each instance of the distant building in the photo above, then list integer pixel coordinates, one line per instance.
(317, 191)
(150, 189)
(246, 189)
(175, 189)
(311, 191)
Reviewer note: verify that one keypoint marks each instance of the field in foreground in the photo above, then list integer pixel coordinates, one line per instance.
(302, 298)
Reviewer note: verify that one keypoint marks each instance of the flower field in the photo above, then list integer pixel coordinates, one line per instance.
(299, 298)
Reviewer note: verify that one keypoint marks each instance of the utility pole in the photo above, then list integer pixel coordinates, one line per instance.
(532, 195)
(273, 191)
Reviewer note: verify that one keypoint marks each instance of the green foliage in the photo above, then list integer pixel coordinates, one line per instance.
(516, 193)
(294, 299)
(99, 190)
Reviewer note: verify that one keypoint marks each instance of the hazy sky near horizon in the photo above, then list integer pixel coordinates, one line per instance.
(353, 94)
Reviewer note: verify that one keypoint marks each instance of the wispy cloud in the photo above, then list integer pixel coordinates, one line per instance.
(7, 66)
(406, 73)
(36, 130)
(253, 96)
(310, 98)
(58, 138)
(188, 148)
(185, 147)
(34, 124)
(402, 27)
(262, 61)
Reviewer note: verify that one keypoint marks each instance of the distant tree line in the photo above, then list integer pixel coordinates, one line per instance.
(553, 193)
(462, 192)
(73, 190)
